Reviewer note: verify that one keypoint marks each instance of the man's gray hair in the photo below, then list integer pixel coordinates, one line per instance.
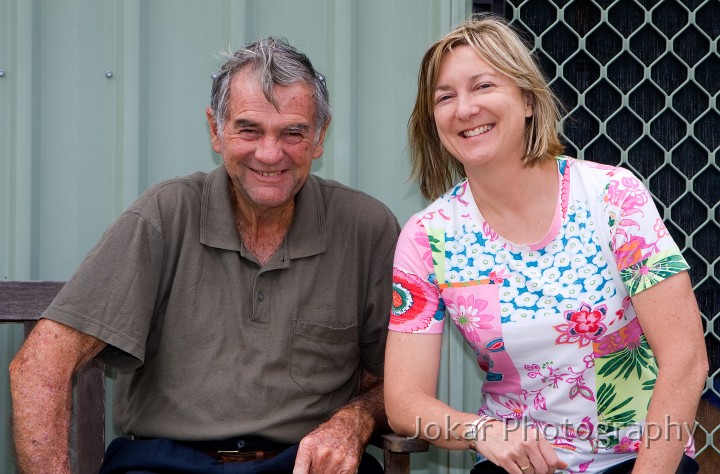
(276, 63)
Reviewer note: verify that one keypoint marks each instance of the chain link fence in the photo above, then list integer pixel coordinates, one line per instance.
(639, 80)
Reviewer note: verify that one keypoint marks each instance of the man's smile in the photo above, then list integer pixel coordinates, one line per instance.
(268, 173)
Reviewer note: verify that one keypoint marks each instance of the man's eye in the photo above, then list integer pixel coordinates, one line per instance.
(249, 133)
(293, 137)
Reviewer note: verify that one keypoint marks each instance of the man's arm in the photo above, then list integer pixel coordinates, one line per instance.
(337, 445)
(41, 390)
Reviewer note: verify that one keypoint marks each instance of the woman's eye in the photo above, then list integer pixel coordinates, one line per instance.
(442, 98)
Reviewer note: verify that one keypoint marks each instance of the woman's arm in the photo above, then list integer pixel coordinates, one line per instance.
(670, 319)
(412, 363)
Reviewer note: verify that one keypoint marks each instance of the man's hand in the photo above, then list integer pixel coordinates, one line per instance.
(333, 447)
(337, 446)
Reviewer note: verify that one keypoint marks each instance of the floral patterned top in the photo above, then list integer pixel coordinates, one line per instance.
(551, 324)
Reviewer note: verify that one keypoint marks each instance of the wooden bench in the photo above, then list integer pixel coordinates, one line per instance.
(24, 302)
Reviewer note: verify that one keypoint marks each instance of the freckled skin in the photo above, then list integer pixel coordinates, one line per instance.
(337, 445)
(41, 391)
(258, 138)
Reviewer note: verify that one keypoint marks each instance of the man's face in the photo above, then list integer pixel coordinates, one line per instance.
(267, 153)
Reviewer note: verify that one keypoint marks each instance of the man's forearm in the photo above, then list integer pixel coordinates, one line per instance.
(41, 390)
(367, 410)
(40, 420)
(337, 445)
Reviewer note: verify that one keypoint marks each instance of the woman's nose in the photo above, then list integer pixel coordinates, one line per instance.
(466, 108)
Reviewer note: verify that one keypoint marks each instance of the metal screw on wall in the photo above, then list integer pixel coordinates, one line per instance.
(108, 74)
(2, 72)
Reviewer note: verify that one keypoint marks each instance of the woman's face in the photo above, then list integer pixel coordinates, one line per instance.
(479, 112)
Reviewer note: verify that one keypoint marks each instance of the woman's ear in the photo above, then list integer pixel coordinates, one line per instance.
(529, 104)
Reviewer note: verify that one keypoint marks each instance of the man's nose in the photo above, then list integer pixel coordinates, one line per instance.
(269, 149)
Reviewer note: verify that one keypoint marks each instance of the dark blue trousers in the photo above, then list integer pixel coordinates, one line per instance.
(164, 456)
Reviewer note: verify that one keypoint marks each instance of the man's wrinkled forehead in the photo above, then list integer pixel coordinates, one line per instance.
(291, 105)
(253, 74)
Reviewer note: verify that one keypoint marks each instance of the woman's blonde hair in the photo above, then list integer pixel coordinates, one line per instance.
(500, 46)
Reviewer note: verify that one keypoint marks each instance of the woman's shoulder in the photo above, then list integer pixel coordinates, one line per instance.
(458, 196)
(592, 175)
(589, 167)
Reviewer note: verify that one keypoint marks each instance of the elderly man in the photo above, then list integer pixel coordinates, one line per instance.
(245, 308)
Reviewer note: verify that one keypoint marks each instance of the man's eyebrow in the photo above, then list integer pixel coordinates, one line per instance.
(240, 123)
(244, 123)
(298, 127)
(294, 127)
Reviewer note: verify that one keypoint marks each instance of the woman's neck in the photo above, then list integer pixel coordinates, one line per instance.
(518, 202)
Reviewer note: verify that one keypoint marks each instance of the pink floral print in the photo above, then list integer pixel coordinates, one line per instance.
(584, 325)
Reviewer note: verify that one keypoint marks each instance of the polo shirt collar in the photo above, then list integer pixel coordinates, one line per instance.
(307, 234)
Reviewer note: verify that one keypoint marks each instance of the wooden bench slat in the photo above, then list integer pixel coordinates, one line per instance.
(22, 301)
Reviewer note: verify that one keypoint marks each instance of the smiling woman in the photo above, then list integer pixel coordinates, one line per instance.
(558, 273)
(479, 113)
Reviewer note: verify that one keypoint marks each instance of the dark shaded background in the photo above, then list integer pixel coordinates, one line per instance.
(639, 80)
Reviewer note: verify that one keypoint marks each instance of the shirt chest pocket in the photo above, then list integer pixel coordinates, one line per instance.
(323, 358)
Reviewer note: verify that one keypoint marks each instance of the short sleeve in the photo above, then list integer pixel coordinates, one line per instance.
(417, 305)
(112, 294)
(643, 248)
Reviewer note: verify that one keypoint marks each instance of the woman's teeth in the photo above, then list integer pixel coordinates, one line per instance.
(477, 131)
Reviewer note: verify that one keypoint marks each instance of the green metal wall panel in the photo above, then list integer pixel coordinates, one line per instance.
(74, 127)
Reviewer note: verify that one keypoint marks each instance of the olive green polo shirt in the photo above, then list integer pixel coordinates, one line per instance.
(210, 344)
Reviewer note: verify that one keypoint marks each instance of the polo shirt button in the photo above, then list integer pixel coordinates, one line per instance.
(260, 296)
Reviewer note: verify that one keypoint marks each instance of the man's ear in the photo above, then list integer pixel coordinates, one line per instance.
(317, 153)
(214, 138)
